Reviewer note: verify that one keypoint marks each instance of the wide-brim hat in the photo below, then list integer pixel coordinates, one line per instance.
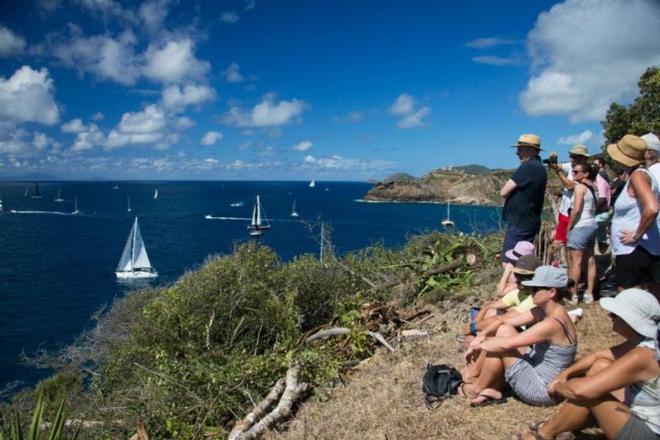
(526, 265)
(629, 151)
(548, 276)
(638, 308)
(529, 140)
(579, 150)
(521, 248)
(652, 141)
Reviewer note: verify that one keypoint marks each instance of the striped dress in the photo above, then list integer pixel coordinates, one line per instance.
(530, 375)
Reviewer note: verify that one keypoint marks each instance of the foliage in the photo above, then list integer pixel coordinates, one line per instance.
(640, 117)
(191, 358)
(15, 431)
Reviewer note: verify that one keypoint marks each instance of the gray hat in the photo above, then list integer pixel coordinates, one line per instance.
(652, 141)
(548, 276)
(638, 308)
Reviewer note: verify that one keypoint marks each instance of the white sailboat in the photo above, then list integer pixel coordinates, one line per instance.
(128, 204)
(257, 224)
(1, 208)
(156, 194)
(237, 204)
(134, 262)
(116, 186)
(447, 223)
(75, 206)
(37, 193)
(312, 184)
(59, 198)
(294, 213)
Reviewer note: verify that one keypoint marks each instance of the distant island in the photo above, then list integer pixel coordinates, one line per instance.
(465, 185)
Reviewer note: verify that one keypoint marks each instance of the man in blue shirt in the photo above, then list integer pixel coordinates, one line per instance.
(523, 195)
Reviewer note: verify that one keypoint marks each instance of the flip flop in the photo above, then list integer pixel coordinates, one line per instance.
(488, 401)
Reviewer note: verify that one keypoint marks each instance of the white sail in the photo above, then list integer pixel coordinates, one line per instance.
(75, 206)
(258, 212)
(59, 195)
(253, 223)
(156, 194)
(294, 213)
(312, 184)
(140, 257)
(1, 204)
(126, 260)
(128, 203)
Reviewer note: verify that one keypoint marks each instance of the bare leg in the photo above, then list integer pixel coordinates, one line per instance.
(592, 271)
(574, 268)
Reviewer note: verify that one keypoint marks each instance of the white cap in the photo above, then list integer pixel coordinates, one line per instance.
(652, 141)
(638, 308)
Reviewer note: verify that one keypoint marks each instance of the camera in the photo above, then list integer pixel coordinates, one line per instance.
(550, 161)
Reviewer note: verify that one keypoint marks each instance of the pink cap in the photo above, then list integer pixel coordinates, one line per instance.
(521, 248)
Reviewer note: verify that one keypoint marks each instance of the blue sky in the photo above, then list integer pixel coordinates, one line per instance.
(332, 90)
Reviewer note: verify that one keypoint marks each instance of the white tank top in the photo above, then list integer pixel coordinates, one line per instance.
(643, 398)
(588, 215)
(627, 215)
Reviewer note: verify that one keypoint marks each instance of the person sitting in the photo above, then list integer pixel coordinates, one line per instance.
(508, 281)
(504, 352)
(513, 303)
(619, 387)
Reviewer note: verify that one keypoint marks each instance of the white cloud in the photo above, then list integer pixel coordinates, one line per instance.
(144, 127)
(494, 60)
(353, 117)
(589, 53)
(10, 43)
(184, 123)
(27, 96)
(581, 138)
(411, 116)
(174, 62)
(87, 136)
(211, 138)
(98, 116)
(488, 42)
(403, 105)
(232, 74)
(153, 14)
(109, 9)
(102, 55)
(177, 97)
(20, 142)
(339, 163)
(229, 17)
(250, 4)
(303, 146)
(266, 113)
(211, 160)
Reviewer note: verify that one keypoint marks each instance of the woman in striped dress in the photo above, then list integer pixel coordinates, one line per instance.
(505, 350)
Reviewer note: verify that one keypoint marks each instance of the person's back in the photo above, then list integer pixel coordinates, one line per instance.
(525, 204)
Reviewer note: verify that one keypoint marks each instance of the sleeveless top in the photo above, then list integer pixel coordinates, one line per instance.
(628, 214)
(588, 215)
(550, 359)
(643, 398)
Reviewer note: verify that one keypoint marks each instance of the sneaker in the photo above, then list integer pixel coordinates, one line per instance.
(587, 298)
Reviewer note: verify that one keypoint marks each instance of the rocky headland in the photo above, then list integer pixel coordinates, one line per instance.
(468, 185)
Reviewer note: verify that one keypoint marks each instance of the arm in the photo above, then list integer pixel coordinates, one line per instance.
(504, 280)
(578, 202)
(508, 188)
(641, 187)
(541, 331)
(635, 366)
(569, 184)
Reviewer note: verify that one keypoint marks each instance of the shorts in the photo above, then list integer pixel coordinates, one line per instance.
(637, 268)
(636, 428)
(582, 238)
(513, 235)
(561, 230)
(527, 384)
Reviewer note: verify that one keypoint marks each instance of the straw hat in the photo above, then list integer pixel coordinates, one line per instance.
(629, 151)
(638, 308)
(579, 150)
(529, 140)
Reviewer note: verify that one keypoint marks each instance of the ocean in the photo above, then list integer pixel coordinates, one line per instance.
(57, 269)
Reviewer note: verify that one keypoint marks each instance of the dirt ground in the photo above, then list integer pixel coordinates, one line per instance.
(382, 397)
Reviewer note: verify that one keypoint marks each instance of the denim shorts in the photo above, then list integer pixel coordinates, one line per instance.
(582, 238)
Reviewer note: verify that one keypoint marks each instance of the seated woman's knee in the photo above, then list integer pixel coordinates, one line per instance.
(506, 330)
(599, 365)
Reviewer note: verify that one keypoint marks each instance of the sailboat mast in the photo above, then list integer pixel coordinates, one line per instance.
(134, 234)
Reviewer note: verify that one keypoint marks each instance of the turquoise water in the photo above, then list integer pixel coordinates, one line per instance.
(57, 269)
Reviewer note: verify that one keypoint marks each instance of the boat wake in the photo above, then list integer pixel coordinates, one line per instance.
(247, 219)
(14, 211)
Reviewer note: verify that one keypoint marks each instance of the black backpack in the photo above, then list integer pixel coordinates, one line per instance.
(440, 382)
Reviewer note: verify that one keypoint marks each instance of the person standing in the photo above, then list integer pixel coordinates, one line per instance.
(651, 155)
(578, 155)
(635, 224)
(604, 203)
(523, 195)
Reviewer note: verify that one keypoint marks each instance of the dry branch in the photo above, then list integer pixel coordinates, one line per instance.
(334, 331)
(292, 391)
(381, 339)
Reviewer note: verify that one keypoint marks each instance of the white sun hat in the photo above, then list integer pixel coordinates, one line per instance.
(638, 308)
